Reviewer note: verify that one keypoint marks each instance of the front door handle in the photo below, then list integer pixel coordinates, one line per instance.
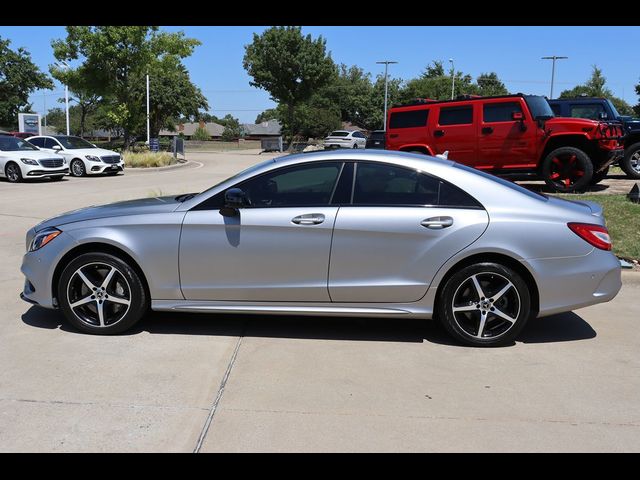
(487, 130)
(438, 133)
(308, 219)
(437, 223)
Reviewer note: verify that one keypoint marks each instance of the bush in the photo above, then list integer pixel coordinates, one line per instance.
(201, 134)
(148, 159)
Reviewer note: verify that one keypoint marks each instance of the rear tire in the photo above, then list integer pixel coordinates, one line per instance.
(567, 169)
(485, 305)
(630, 163)
(12, 172)
(101, 294)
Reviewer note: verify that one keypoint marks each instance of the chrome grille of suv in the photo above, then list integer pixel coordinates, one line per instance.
(51, 162)
(111, 158)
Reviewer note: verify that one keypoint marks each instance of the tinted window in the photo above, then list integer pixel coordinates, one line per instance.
(300, 185)
(338, 133)
(38, 142)
(452, 196)
(587, 110)
(50, 143)
(500, 112)
(539, 106)
(381, 184)
(413, 118)
(557, 110)
(14, 144)
(358, 134)
(456, 115)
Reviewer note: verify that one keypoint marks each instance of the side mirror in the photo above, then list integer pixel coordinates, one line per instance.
(94, 145)
(57, 148)
(234, 198)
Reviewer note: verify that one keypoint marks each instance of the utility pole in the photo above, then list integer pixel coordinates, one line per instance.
(65, 65)
(553, 70)
(148, 129)
(453, 77)
(386, 67)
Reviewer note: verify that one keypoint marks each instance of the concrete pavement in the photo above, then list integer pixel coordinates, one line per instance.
(258, 383)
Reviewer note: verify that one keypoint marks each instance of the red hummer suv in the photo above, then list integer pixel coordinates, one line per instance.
(516, 135)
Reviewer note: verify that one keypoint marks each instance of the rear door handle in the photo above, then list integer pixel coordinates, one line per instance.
(308, 219)
(487, 130)
(438, 133)
(437, 223)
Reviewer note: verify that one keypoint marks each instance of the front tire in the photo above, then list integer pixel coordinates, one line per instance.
(567, 169)
(77, 168)
(13, 173)
(485, 305)
(101, 294)
(630, 163)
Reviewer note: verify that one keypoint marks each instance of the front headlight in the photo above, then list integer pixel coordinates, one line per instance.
(43, 237)
(93, 158)
(29, 161)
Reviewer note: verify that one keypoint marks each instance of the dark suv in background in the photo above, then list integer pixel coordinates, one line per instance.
(602, 109)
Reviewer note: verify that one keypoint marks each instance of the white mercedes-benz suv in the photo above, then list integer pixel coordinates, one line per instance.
(20, 160)
(84, 158)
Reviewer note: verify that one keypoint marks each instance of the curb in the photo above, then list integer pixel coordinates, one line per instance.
(630, 276)
(156, 169)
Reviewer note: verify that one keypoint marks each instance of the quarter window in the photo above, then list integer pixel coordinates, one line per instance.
(500, 112)
(308, 185)
(456, 115)
(410, 119)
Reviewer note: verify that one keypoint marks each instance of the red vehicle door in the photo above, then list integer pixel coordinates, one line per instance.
(454, 130)
(407, 127)
(506, 135)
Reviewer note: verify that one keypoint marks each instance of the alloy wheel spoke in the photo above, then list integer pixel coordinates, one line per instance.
(114, 299)
(501, 314)
(108, 278)
(466, 308)
(82, 301)
(483, 320)
(84, 278)
(479, 291)
(100, 306)
(502, 292)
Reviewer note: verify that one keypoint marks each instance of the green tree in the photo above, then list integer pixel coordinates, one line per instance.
(489, 84)
(435, 84)
(268, 114)
(232, 129)
(288, 65)
(201, 134)
(115, 60)
(595, 86)
(19, 77)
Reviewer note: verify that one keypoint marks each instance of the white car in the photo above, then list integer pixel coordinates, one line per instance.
(20, 160)
(84, 158)
(345, 139)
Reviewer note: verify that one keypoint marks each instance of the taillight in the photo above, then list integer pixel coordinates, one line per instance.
(596, 235)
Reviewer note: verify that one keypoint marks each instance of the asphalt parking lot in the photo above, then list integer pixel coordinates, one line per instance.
(185, 383)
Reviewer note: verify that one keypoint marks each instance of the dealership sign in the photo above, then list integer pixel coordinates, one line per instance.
(29, 123)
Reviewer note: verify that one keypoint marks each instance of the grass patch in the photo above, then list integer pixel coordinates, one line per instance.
(623, 222)
(148, 159)
(219, 146)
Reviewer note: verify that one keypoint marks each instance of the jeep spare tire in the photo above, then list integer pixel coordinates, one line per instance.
(567, 169)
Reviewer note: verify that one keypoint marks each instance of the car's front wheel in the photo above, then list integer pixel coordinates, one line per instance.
(630, 163)
(77, 168)
(13, 173)
(485, 305)
(101, 294)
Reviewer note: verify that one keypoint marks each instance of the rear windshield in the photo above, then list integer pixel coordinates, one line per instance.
(339, 134)
(502, 181)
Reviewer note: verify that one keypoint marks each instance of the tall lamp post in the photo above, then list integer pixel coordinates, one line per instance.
(65, 66)
(453, 77)
(386, 67)
(553, 70)
(148, 129)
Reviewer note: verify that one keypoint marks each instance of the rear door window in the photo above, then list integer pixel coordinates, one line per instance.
(456, 115)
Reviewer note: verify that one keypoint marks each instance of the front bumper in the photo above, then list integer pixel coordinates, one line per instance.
(96, 168)
(42, 173)
(569, 283)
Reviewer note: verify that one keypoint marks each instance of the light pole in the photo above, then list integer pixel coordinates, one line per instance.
(148, 130)
(65, 65)
(386, 67)
(553, 70)
(453, 77)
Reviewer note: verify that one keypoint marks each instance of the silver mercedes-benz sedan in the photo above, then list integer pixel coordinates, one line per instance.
(368, 233)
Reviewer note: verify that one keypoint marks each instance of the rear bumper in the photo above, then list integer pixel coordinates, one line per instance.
(570, 283)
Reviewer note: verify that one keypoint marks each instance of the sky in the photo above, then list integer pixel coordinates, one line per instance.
(512, 52)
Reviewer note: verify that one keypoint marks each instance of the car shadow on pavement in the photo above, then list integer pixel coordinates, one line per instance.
(557, 328)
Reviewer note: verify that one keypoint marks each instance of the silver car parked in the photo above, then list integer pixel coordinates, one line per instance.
(343, 233)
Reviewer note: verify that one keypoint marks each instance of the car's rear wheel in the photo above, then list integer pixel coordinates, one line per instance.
(355, 146)
(567, 169)
(101, 294)
(13, 173)
(485, 305)
(630, 163)
(77, 168)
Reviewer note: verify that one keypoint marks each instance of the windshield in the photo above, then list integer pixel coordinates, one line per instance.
(73, 143)
(338, 133)
(539, 107)
(613, 110)
(502, 181)
(14, 144)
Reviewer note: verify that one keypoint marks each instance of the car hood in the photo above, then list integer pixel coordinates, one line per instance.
(98, 152)
(33, 154)
(128, 207)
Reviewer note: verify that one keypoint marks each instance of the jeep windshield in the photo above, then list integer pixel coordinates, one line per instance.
(540, 108)
(616, 115)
